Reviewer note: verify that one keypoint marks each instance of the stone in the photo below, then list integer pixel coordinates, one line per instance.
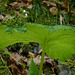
(59, 68)
(71, 72)
(65, 67)
(64, 72)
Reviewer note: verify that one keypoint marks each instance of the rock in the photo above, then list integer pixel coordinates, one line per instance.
(65, 67)
(59, 68)
(71, 72)
(64, 72)
(1, 17)
(35, 50)
(35, 47)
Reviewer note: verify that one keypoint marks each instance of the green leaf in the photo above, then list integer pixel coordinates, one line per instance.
(59, 45)
(6, 52)
(20, 29)
(33, 70)
(9, 29)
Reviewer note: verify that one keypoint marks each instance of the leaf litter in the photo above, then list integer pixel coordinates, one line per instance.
(19, 57)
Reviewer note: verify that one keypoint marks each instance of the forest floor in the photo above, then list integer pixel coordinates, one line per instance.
(15, 58)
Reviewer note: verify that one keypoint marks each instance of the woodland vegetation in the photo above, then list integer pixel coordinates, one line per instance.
(37, 37)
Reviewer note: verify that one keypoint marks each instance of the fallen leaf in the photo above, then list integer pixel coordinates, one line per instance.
(30, 6)
(1, 17)
(53, 64)
(51, 4)
(8, 17)
(32, 55)
(18, 13)
(17, 57)
(13, 4)
(37, 60)
(14, 69)
(22, 4)
(53, 10)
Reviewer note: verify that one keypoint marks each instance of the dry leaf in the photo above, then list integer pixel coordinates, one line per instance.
(37, 60)
(40, 51)
(13, 4)
(22, 4)
(14, 69)
(30, 6)
(25, 4)
(1, 17)
(18, 13)
(5, 49)
(53, 64)
(32, 55)
(22, 73)
(51, 4)
(51, 61)
(53, 10)
(17, 57)
(8, 16)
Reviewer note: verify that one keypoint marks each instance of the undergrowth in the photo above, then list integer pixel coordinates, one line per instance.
(41, 14)
(3, 67)
(61, 41)
(57, 39)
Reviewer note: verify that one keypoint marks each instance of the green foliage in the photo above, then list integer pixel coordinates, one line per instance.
(59, 41)
(17, 24)
(8, 53)
(20, 29)
(14, 22)
(54, 28)
(73, 3)
(33, 70)
(8, 1)
(66, 18)
(37, 11)
(72, 18)
(59, 45)
(41, 14)
(4, 9)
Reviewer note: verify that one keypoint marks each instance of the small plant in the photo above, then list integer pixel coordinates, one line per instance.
(58, 45)
(16, 23)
